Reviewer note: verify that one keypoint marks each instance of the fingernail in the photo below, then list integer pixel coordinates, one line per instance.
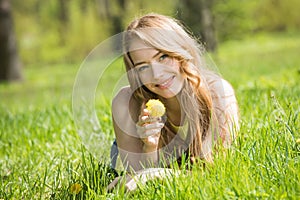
(144, 117)
(145, 110)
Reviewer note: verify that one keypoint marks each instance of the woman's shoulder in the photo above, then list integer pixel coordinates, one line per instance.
(219, 86)
(120, 105)
(122, 95)
(123, 103)
(124, 110)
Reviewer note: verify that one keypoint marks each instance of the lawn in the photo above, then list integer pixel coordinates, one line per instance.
(42, 155)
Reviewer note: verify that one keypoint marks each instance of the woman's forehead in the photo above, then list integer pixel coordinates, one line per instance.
(138, 44)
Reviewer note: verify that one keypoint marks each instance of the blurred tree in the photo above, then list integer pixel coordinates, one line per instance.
(233, 18)
(63, 11)
(278, 15)
(103, 8)
(10, 66)
(63, 17)
(114, 12)
(118, 17)
(65, 30)
(197, 14)
(83, 4)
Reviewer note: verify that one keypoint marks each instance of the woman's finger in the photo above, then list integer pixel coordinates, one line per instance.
(156, 125)
(146, 118)
(144, 133)
(149, 129)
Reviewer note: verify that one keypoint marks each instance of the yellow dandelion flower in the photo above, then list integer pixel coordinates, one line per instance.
(155, 107)
(75, 188)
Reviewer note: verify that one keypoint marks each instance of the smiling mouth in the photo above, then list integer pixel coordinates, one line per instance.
(165, 84)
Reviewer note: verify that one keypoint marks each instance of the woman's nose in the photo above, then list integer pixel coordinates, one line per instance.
(157, 70)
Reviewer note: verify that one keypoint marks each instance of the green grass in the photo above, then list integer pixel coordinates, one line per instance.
(41, 154)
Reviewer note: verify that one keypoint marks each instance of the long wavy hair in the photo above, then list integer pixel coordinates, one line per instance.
(171, 37)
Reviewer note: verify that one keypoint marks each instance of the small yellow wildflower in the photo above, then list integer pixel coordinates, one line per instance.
(298, 141)
(75, 188)
(155, 107)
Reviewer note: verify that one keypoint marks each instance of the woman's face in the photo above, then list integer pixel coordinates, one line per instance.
(159, 72)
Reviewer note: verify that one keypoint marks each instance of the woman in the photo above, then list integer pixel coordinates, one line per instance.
(164, 61)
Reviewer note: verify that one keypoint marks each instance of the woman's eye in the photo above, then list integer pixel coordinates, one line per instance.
(162, 57)
(143, 68)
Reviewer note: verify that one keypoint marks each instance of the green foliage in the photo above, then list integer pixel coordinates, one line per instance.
(41, 155)
(233, 18)
(278, 15)
(44, 37)
(84, 31)
(50, 40)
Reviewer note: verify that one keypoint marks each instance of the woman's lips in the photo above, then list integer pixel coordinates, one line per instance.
(165, 84)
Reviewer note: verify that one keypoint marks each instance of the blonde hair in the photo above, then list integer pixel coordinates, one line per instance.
(169, 36)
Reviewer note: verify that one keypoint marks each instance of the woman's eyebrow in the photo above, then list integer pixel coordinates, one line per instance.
(139, 63)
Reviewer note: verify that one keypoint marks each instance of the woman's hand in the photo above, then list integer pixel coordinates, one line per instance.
(149, 130)
(127, 181)
(131, 182)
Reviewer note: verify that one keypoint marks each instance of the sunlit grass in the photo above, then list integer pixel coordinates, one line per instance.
(41, 155)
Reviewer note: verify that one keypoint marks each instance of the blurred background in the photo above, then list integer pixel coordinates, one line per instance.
(45, 42)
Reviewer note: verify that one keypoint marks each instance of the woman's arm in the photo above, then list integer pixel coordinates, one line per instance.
(226, 112)
(137, 149)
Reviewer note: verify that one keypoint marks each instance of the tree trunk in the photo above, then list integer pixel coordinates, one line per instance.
(63, 11)
(63, 17)
(114, 11)
(197, 15)
(103, 7)
(10, 66)
(207, 24)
